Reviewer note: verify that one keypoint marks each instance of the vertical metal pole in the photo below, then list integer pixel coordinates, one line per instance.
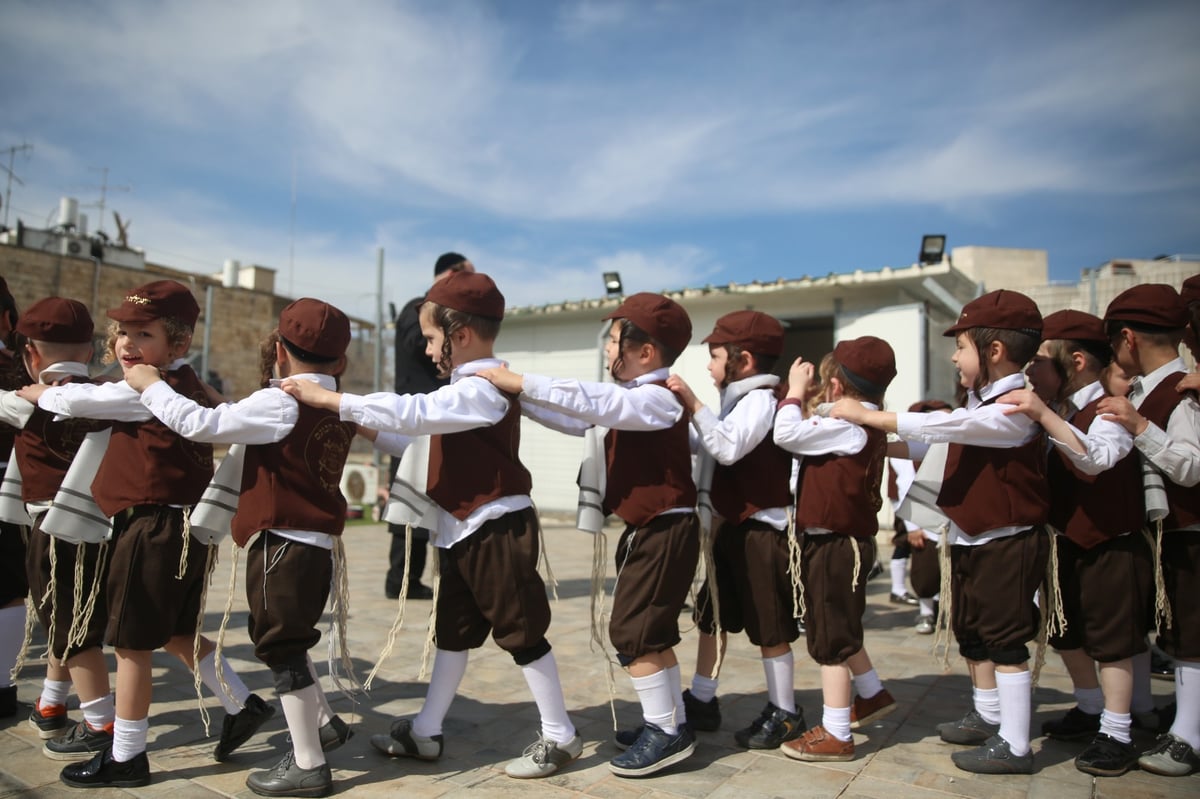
(208, 315)
(378, 382)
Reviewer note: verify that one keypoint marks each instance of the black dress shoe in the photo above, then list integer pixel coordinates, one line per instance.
(420, 591)
(237, 728)
(993, 757)
(285, 778)
(1105, 756)
(104, 772)
(704, 716)
(1075, 725)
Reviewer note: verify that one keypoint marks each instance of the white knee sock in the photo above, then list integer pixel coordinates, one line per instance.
(675, 680)
(899, 568)
(925, 606)
(99, 713)
(658, 706)
(12, 635)
(129, 738)
(300, 708)
(1016, 706)
(780, 672)
(235, 699)
(448, 670)
(836, 721)
(704, 688)
(1116, 725)
(542, 677)
(1187, 701)
(987, 704)
(867, 684)
(54, 692)
(326, 713)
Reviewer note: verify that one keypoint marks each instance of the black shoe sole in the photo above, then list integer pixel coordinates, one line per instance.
(1096, 771)
(318, 791)
(133, 783)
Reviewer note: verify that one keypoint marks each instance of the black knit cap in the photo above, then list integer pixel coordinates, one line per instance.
(446, 262)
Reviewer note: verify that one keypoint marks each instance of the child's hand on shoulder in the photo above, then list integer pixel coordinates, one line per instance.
(311, 393)
(32, 392)
(800, 375)
(1026, 401)
(503, 378)
(849, 409)
(687, 397)
(141, 376)
(1121, 411)
(1189, 383)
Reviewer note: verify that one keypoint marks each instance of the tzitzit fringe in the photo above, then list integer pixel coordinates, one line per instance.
(1162, 605)
(399, 619)
(82, 617)
(795, 565)
(209, 560)
(1057, 625)
(19, 663)
(1039, 659)
(431, 632)
(220, 647)
(183, 553)
(339, 646)
(857, 565)
(943, 634)
(544, 559)
(707, 540)
(51, 588)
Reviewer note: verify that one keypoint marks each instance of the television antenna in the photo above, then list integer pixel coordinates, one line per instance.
(104, 190)
(12, 153)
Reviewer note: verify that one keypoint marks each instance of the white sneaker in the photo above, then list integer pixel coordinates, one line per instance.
(403, 742)
(543, 757)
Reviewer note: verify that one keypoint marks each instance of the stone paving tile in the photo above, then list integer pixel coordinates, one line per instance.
(493, 718)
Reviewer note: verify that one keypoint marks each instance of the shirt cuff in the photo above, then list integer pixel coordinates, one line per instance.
(350, 409)
(704, 419)
(783, 403)
(1152, 441)
(908, 424)
(536, 387)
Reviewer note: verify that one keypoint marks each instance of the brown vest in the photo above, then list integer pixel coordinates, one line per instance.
(148, 464)
(989, 487)
(841, 492)
(293, 484)
(1184, 502)
(755, 483)
(1090, 510)
(45, 449)
(649, 471)
(474, 467)
(11, 375)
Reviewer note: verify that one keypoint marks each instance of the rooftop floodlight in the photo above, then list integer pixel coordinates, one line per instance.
(612, 284)
(933, 250)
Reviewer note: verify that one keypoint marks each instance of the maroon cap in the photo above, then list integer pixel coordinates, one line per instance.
(753, 331)
(468, 292)
(1073, 326)
(1004, 309)
(58, 320)
(1191, 290)
(868, 361)
(315, 327)
(1153, 304)
(158, 300)
(660, 317)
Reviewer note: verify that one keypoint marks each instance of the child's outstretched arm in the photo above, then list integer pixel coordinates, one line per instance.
(685, 393)
(503, 378)
(311, 393)
(854, 411)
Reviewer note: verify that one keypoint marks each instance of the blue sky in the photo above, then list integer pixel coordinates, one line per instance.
(680, 143)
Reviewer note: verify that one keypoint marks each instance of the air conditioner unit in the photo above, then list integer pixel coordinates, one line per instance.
(359, 484)
(72, 246)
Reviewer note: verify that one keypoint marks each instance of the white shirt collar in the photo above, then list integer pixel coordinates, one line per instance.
(1147, 383)
(1086, 395)
(473, 367)
(324, 381)
(57, 371)
(656, 376)
(995, 389)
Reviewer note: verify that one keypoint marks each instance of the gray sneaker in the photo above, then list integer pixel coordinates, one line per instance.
(542, 758)
(403, 742)
(994, 757)
(80, 743)
(285, 778)
(970, 730)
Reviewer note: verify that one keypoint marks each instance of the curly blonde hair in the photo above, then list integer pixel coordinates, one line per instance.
(178, 333)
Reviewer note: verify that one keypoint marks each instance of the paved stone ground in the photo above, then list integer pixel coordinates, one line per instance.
(494, 718)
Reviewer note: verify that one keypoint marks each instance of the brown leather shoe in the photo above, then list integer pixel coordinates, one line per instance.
(817, 744)
(864, 711)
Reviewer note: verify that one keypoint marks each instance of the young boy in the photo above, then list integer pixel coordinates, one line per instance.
(14, 586)
(55, 337)
(1145, 325)
(147, 477)
(837, 502)
(1105, 573)
(995, 495)
(487, 531)
(289, 494)
(748, 485)
(644, 468)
